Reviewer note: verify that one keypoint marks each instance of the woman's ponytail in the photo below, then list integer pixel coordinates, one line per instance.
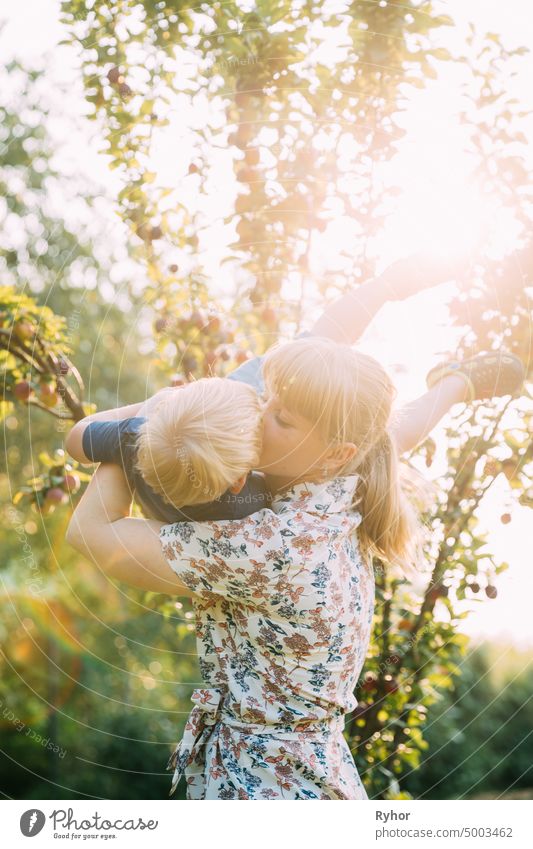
(390, 528)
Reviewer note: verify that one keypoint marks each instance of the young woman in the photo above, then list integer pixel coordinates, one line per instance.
(283, 597)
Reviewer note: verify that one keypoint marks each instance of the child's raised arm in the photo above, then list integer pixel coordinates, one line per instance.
(346, 319)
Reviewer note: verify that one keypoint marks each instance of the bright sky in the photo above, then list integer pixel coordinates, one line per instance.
(435, 201)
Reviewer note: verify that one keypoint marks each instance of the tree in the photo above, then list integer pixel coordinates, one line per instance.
(60, 672)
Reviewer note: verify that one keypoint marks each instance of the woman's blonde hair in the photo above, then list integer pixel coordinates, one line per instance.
(200, 440)
(349, 396)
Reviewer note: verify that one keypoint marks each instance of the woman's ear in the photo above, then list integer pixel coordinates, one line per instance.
(342, 454)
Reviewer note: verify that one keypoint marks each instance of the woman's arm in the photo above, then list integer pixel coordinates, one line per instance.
(123, 547)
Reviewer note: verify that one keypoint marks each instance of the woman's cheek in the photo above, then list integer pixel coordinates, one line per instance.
(276, 443)
(268, 438)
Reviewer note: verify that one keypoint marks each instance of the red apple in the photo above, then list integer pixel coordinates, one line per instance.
(24, 330)
(369, 682)
(56, 496)
(71, 483)
(438, 591)
(113, 75)
(22, 390)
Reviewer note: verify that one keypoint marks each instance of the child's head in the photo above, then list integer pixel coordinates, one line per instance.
(327, 411)
(200, 440)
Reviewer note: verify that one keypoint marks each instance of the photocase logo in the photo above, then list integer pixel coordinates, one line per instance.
(31, 822)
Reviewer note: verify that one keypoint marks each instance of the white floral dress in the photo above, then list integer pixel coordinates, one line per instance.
(284, 604)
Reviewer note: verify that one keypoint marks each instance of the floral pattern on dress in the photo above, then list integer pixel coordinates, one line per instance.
(284, 604)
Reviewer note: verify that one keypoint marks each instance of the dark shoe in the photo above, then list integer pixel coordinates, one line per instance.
(487, 375)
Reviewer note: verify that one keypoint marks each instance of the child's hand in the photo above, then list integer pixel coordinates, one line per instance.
(421, 271)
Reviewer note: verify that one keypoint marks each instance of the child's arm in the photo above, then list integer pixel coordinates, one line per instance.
(74, 440)
(346, 319)
(415, 420)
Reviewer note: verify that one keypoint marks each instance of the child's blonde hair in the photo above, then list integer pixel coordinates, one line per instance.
(349, 396)
(200, 440)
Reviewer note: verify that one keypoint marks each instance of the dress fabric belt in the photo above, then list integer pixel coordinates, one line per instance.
(208, 710)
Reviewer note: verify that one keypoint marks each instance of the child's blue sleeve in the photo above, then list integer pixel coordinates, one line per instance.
(110, 442)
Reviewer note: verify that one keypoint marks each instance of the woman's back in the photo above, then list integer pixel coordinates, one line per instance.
(284, 606)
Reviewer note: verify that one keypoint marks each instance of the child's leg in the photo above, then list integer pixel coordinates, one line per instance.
(487, 375)
(417, 419)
